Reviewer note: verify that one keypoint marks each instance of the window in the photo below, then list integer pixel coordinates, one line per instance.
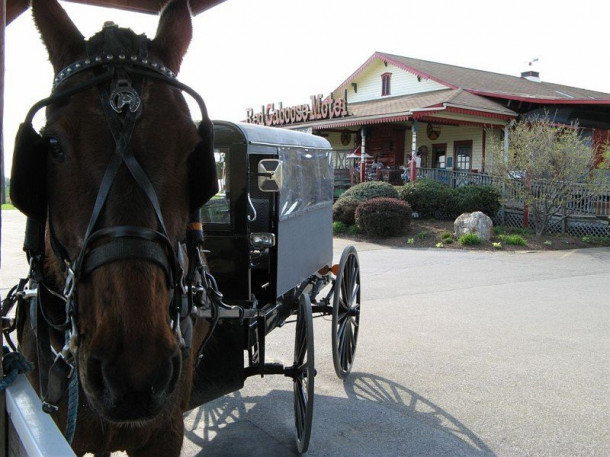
(439, 153)
(385, 83)
(463, 155)
(216, 210)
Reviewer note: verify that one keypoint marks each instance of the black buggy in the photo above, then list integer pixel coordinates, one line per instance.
(268, 236)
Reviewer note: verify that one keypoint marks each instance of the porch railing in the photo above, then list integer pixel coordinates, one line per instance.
(455, 178)
(581, 203)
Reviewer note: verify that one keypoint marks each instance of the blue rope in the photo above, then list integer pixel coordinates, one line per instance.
(72, 403)
(13, 364)
(72, 408)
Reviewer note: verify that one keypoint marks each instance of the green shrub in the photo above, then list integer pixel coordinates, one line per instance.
(515, 240)
(370, 189)
(471, 198)
(353, 230)
(383, 217)
(339, 227)
(344, 210)
(429, 198)
(447, 237)
(469, 239)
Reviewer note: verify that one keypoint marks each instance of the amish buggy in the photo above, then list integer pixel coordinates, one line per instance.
(269, 247)
(160, 251)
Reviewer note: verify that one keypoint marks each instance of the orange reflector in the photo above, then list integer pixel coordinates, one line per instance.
(195, 226)
(335, 269)
(325, 269)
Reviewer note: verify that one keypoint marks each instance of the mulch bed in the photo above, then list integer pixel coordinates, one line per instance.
(426, 233)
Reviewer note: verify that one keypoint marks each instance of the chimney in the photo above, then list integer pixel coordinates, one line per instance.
(531, 76)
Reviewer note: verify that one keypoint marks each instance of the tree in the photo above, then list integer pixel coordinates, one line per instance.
(548, 166)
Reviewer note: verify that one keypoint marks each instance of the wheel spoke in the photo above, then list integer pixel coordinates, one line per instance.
(353, 299)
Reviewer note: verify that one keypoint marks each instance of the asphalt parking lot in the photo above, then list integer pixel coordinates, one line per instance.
(461, 353)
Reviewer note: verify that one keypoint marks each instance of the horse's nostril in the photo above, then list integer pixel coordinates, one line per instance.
(167, 376)
(176, 362)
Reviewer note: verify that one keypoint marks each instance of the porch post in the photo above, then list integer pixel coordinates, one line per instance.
(413, 150)
(362, 153)
(483, 141)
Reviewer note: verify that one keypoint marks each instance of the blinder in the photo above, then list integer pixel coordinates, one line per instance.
(203, 182)
(28, 175)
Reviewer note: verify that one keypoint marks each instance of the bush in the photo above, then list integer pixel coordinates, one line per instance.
(339, 227)
(353, 230)
(383, 217)
(370, 189)
(429, 198)
(344, 210)
(469, 239)
(469, 199)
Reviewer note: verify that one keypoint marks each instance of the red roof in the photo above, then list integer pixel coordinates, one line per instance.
(487, 83)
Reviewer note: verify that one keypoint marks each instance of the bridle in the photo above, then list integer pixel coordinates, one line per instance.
(119, 77)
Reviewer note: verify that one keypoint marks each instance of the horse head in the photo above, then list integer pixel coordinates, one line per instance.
(125, 168)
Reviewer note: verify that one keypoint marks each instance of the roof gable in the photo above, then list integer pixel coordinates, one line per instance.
(367, 85)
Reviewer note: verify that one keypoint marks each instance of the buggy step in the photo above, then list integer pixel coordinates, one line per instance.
(273, 368)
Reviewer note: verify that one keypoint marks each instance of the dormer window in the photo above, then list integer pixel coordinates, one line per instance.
(385, 83)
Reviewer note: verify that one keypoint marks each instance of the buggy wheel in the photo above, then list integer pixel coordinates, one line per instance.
(303, 379)
(346, 312)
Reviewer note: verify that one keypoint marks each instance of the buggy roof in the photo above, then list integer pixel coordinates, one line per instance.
(229, 132)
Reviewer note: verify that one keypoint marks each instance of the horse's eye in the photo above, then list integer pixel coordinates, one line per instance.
(56, 150)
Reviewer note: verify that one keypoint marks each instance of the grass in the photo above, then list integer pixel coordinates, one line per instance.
(601, 240)
(7, 206)
(447, 237)
(515, 240)
(469, 239)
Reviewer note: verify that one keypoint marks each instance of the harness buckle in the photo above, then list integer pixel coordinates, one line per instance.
(124, 95)
(70, 283)
(60, 374)
(49, 408)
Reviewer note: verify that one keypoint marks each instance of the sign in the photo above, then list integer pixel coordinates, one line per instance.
(319, 109)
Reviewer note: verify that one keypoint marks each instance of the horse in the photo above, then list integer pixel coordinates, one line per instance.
(112, 186)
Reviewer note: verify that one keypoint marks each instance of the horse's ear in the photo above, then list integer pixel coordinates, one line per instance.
(174, 34)
(63, 40)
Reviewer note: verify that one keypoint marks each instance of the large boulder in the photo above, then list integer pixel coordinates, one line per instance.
(477, 223)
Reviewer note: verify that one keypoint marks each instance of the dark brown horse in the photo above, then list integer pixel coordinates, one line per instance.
(114, 179)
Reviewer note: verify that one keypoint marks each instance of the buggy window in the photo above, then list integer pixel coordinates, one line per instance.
(217, 209)
(307, 179)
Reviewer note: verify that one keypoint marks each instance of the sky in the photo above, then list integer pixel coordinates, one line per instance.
(247, 53)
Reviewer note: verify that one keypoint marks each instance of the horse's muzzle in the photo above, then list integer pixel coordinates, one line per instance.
(123, 398)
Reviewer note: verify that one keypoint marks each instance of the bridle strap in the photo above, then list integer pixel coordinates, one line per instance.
(126, 249)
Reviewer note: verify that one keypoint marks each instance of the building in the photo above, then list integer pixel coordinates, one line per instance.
(392, 106)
